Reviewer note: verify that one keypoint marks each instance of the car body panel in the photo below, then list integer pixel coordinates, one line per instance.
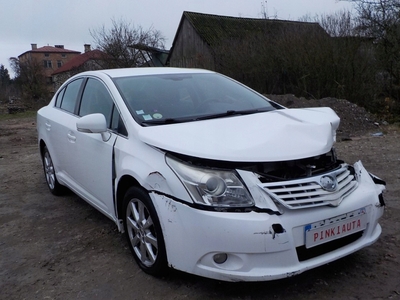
(285, 134)
(260, 255)
(75, 163)
(87, 172)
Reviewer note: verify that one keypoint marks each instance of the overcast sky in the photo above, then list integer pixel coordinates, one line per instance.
(55, 22)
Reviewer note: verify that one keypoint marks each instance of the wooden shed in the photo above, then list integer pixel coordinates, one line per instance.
(231, 45)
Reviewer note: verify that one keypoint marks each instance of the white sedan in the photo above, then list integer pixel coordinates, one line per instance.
(206, 176)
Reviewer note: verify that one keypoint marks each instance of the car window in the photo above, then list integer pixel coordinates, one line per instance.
(70, 96)
(96, 99)
(59, 97)
(117, 124)
(158, 98)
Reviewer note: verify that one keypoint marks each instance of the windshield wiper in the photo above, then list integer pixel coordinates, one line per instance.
(229, 113)
(162, 122)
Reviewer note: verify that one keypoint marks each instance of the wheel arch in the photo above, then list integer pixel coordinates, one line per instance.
(42, 144)
(124, 184)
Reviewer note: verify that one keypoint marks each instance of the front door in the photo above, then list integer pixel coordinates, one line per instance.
(92, 167)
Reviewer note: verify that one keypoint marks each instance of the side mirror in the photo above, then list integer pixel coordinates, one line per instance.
(94, 123)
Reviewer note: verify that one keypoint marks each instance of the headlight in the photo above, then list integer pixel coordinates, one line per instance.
(219, 188)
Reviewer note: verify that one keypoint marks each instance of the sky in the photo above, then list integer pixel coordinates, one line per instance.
(68, 23)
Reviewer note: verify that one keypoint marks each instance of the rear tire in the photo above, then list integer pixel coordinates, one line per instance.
(143, 231)
(50, 173)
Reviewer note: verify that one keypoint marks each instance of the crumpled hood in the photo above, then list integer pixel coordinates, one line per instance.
(279, 135)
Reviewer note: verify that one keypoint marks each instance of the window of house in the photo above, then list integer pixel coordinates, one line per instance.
(46, 54)
(47, 64)
(63, 55)
(59, 63)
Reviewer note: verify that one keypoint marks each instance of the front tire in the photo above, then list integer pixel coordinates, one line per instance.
(143, 231)
(50, 173)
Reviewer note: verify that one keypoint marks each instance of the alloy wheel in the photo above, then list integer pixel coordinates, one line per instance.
(141, 232)
(49, 170)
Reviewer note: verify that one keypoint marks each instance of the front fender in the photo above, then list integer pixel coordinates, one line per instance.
(150, 171)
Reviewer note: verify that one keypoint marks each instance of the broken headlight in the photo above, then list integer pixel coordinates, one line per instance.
(212, 187)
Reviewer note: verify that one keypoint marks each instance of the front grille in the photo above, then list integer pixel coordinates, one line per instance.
(308, 192)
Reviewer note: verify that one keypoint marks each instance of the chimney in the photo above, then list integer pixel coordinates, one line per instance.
(87, 48)
(34, 46)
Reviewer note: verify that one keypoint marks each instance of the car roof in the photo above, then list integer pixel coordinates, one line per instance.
(115, 73)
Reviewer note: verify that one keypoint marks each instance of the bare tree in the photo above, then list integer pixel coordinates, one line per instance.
(5, 82)
(377, 18)
(264, 11)
(30, 76)
(380, 21)
(14, 64)
(116, 43)
(339, 24)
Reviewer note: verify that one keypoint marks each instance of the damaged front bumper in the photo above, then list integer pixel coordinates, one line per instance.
(259, 246)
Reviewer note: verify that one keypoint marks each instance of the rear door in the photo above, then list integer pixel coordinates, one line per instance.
(60, 124)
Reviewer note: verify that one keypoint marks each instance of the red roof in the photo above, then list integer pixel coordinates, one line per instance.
(50, 49)
(53, 49)
(79, 60)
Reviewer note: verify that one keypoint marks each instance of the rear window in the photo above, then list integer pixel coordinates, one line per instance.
(70, 96)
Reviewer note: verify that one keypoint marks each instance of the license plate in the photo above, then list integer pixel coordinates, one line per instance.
(334, 228)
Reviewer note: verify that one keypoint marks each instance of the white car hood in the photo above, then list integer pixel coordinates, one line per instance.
(284, 134)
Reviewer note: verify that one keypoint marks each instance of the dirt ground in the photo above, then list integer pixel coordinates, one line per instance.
(62, 248)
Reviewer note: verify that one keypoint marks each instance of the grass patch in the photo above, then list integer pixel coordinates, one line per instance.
(20, 115)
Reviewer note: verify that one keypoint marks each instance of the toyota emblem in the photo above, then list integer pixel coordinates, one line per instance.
(328, 183)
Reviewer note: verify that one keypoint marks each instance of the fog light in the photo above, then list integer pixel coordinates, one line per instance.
(220, 258)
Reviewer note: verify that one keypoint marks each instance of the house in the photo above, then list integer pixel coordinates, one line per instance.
(89, 60)
(235, 46)
(50, 58)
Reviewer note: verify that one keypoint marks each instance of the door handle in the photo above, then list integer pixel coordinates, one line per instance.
(71, 137)
(47, 125)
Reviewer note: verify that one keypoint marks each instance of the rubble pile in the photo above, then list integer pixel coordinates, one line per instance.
(354, 120)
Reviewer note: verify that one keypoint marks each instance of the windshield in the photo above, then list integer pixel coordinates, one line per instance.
(164, 99)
